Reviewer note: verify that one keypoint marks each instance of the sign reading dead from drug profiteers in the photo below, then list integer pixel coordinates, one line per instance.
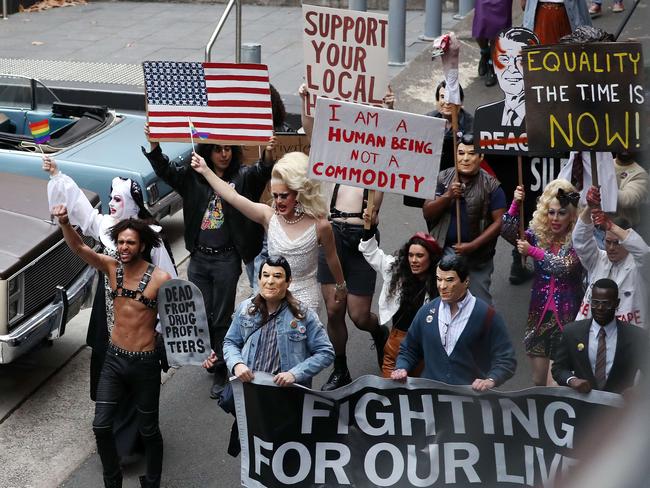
(184, 323)
(345, 55)
(584, 97)
(376, 148)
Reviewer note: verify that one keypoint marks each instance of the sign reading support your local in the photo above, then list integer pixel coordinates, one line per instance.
(184, 323)
(376, 148)
(346, 55)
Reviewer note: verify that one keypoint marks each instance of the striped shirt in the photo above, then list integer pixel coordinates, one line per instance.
(452, 327)
(267, 357)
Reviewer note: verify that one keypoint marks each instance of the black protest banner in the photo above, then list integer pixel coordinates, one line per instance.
(376, 432)
(184, 323)
(584, 97)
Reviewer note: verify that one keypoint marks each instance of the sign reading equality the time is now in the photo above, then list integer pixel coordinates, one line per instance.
(584, 97)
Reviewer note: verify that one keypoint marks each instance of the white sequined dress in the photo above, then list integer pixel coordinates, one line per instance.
(302, 255)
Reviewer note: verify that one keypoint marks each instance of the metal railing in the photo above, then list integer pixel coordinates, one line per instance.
(222, 22)
(4, 9)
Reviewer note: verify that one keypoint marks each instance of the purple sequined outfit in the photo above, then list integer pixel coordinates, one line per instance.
(556, 292)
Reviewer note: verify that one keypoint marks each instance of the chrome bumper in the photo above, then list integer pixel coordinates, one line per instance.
(49, 322)
(167, 205)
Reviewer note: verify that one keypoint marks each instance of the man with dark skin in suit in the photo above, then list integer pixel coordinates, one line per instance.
(577, 359)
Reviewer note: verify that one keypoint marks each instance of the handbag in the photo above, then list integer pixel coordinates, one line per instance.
(226, 399)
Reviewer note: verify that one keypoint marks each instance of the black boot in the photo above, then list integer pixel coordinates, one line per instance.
(114, 481)
(219, 380)
(340, 376)
(379, 337)
(490, 77)
(518, 272)
(483, 62)
(146, 483)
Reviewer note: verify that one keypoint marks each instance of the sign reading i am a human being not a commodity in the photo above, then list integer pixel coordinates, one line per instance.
(376, 148)
(584, 97)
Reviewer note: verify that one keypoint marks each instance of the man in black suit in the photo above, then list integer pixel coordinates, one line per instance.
(603, 353)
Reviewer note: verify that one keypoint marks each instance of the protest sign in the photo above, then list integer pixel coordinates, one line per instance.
(584, 97)
(376, 432)
(501, 126)
(284, 143)
(184, 323)
(376, 148)
(345, 55)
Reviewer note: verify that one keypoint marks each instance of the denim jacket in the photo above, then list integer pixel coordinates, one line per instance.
(303, 344)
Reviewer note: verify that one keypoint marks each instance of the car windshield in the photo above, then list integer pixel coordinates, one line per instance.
(24, 93)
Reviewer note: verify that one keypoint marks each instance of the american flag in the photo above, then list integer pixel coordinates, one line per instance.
(230, 103)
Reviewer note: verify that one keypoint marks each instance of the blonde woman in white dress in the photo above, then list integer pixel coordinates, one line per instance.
(296, 223)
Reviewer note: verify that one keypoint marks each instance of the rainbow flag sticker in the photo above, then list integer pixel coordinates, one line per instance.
(40, 131)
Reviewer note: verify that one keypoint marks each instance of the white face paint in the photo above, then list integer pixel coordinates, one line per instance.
(122, 206)
(116, 206)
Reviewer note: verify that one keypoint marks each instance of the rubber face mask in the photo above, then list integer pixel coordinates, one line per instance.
(122, 206)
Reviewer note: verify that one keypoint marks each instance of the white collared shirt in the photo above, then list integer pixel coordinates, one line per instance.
(519, 109)
(452, 327)
(611, 336)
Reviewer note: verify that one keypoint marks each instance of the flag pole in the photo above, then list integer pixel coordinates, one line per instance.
(189, 124)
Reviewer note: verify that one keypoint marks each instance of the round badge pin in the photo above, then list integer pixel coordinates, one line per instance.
(302, 329)
(293, 324)
(429, 319)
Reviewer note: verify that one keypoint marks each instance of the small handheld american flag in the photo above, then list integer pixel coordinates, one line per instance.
(226, 103)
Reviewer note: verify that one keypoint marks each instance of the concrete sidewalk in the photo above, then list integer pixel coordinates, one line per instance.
(56, 45)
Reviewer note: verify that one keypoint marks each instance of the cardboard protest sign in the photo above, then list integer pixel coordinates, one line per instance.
(375, 148)
(584, 97)
(345, 55)
(184, 323)
(500, 127)
(285, 143)
(377, 432)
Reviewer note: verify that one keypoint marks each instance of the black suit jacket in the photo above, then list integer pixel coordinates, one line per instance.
(631, 349)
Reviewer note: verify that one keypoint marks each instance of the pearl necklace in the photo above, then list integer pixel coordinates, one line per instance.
(294, 221)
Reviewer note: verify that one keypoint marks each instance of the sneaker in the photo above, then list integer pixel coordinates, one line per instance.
(618, 7)
(337, 379)
(595, 10)
(379, 341)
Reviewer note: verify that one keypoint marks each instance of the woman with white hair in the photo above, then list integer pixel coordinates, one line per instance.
(126, 202)
(296, 222)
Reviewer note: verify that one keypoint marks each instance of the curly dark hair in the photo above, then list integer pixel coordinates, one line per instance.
(402, 275)
(205, 151)
(148, 236)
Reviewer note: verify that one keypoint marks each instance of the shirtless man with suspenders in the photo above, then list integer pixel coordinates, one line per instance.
(131, 360)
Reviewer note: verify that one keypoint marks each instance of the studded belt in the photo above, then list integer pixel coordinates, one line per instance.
(213, 250)
(118, 351)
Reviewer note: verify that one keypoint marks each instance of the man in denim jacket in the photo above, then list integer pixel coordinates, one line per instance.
(273, 332)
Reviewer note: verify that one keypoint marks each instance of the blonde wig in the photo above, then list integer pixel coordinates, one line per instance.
(291, 170)
(541, 224)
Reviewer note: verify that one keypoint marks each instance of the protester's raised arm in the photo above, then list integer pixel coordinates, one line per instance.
(74, 241)
(306, 120)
